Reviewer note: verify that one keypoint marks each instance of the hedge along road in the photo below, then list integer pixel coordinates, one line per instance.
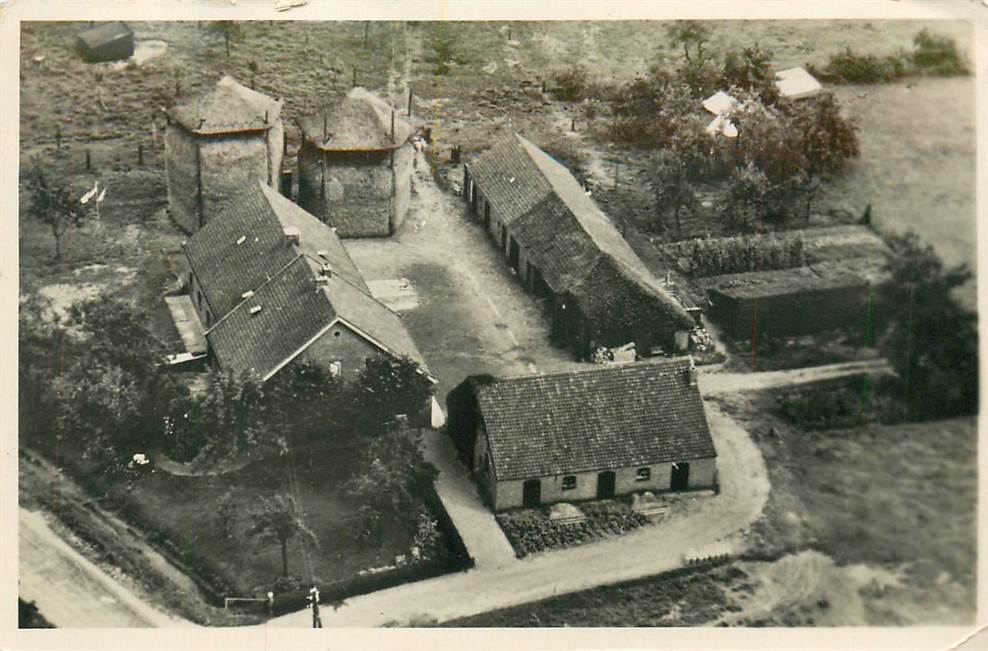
(644, 552)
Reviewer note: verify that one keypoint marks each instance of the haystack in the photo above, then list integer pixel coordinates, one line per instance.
(216, 143)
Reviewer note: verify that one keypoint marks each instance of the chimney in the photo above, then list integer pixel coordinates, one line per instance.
(327, 270)
(322, 281)
(691, 373)
(254, 310)
(292, 234)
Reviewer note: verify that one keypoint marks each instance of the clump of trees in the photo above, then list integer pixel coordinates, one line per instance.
(932, 54)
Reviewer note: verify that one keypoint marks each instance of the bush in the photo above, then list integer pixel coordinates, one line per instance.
(937, 55)
(850, 67)
(728, 255)
(816, 409)
(571, 84)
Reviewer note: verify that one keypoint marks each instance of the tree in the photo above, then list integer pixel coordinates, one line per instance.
(386, 388)
(571, 83)
(930, 339)
(747, 196)
(305, 404)
(53, 205)
(231, 410)
(751, 69)
(825, 138)
(279, 520)
(392, 476)
(690, 35)
(229, 30)
(674, 192)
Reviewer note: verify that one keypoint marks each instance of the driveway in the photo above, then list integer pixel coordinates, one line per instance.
(715, 381)
(644, 552)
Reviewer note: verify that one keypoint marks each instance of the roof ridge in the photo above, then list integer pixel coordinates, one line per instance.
(595, 368)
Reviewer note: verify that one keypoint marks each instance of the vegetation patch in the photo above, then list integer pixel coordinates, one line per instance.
(932, 54)
(530, 531)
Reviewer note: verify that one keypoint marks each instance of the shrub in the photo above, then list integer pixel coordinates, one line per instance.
(571, 84)
(817, 409)
(853, 68)
(937, 55)
(728, 255)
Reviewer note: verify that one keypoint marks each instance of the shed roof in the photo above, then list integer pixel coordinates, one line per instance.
(561, 228)
(608, 417)
(358, 121)
(230, 107)
(720, 103)
(243, 259)
(103, 34)
(797, 83)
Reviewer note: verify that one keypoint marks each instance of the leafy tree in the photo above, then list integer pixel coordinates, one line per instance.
(53, 204)
(937, 54)
(691, 36)
(232, 410)
(386, 388)
(674, 192)
(280, 520)
(751, 69)
(305, 403)
(747, 198)
(391, 478)
(931, 340)
(229, 30)
(571, 83)
(826, 139)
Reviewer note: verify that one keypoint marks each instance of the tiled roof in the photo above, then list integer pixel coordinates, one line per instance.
(245, 248)
(602, 418)
(103, 34)
(510, 179)
(293, 311)
(563, 232)
(229, 108)
(359, 121)
(239, 249)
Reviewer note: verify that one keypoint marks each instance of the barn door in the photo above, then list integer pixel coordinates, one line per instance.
(532, 493)
(605, 485)
(514, 255)
(680, 477)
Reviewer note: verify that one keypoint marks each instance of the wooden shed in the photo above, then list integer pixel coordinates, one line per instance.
(108, 42)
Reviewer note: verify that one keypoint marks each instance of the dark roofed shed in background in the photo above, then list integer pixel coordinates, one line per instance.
(108, 42)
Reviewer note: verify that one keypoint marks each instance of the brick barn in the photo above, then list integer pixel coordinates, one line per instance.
(214, 144)
(270, 284)
(587, 434)
(564, 248)
(355, 166)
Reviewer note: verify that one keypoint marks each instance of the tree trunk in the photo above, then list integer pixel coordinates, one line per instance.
(284, 557)
(226, 40)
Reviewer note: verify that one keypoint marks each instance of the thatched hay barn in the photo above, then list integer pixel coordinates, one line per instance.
(355, 165)
(109, 42)
(216, 143)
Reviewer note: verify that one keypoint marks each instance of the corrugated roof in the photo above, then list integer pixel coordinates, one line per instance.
(230, 107)
(603, 418)
(360, 121)
(103, 34)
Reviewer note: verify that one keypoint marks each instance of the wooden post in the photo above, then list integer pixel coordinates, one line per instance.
(572, 125)
(366, 28)
(140, 155)
(284, 146)
(509, 32)
(89, 161)
(325, 128)
(58, 138)
(354, 76)
(617, 173)
(409, 100)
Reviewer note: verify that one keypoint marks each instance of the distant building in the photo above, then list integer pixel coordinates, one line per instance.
(355, 166)
(109, 42)
(270, 284)
(566, 250)
(588, 434)
(216, 143)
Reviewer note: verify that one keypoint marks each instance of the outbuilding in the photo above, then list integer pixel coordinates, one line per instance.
(108, 42)
(589, 434)
(215, 144)
(355, 165)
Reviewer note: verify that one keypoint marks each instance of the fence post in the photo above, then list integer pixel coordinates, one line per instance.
(58, 138)
(89, 161)
(140, 155)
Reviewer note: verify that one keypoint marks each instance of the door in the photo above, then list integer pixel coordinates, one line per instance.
(487, 215)
(531, 493)
(605, 485)
(680, 477)
(514, 255)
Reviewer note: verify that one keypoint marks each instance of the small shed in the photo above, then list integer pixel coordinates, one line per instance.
(215, 144)
(797, 83)
(108, 42)
(355, 165)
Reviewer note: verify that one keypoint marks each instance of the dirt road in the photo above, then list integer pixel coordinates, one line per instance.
(70, 590)
(719, 382)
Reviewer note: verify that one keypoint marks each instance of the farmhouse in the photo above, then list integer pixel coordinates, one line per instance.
(588, 434)
(216, 143)
(833, 289)
(109, 42)
(565, 249)
(355, 166)
(269, 284)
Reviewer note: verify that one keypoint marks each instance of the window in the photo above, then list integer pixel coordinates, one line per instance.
(569, 482)
(335, 368)
(643, 474)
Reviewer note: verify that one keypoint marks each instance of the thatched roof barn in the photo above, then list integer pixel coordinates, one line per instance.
(355, 165)
(217, 142)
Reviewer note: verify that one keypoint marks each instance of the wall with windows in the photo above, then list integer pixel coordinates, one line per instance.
(655, 478)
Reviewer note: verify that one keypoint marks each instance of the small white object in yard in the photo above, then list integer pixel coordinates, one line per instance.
(89, 195)
(490, 68)
(720, 103)
(141, 459)
(438, 418)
